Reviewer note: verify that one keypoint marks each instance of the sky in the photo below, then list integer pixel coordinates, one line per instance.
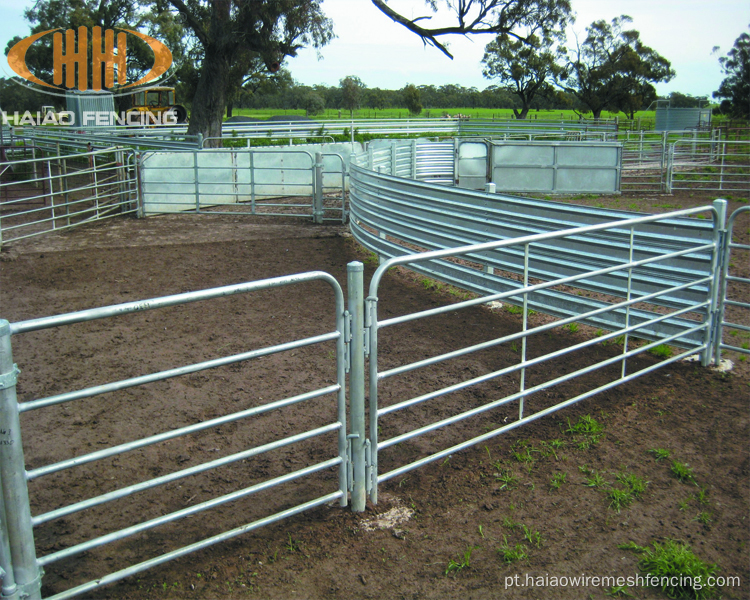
(384, 54)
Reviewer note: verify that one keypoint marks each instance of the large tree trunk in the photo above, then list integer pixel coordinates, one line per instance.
(210, 97)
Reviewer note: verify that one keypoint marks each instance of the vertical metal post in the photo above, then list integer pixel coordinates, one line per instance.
(64, 189)
(26, 571)
(627, 309)
(318, 189)
(525, 327)
(371, 323)
(197, 182)
(252, 183)
(413, 159)
(51, 194)
(96, 183)
(713, 332)
(355, 293)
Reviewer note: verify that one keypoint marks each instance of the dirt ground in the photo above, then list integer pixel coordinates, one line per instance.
(527, 491)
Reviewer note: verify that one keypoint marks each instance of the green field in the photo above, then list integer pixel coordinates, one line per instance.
(435, 113)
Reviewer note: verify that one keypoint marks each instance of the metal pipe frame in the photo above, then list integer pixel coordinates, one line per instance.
(113, 192)
(12, 486)
(525, 242)
(729, 245)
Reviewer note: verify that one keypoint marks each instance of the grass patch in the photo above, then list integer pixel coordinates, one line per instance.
(513, 554)
(661, 351)
(680, 573)
(586, 432)
(659, 453)
(682, 472)
(454, 566)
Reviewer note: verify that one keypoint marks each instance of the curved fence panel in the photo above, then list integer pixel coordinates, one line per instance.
(395, 217)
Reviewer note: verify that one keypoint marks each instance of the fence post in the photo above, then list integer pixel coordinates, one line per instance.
(714, 312)
(318, 189)
(357, 437)
(20, 532)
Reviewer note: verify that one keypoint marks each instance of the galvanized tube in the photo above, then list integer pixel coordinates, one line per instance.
(222, 537)
(15, 492)
(713, 314)
(165, 301)
(538, 415)
(164, 479)
(355, 293)
(497, 403)
(512, 293)
(371, 322)
(553, 325)
(162, 375)
(175, 433)
(9, 588)
(186, 512)
(530, 363)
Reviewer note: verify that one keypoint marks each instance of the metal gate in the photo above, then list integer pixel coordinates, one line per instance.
(281, 182)
(730, 335)
(533, 370)
(22, 568)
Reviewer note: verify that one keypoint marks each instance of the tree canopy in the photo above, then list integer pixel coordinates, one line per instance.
(612, 69)
(232, 30)
(735, 89)
(524, 68)
(517, 18)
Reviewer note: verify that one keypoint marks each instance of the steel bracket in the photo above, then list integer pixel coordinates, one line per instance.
(9, 380)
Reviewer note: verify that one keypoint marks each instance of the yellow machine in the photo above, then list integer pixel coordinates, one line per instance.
(157, 101)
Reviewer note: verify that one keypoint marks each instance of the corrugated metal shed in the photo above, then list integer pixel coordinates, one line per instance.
(91, 108)
(677, 119)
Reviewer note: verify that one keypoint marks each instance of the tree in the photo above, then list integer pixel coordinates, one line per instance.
(227, 30)
(412, 99)
(486, 16)
(735, 89)
(314, 104)
(523, 67)
(351, 93)
(612, 68)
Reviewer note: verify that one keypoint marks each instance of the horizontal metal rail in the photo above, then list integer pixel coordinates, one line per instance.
(393, 217)
(634, 323)
(733, 250)
(721, 166)
(40, 195)
(337, 427)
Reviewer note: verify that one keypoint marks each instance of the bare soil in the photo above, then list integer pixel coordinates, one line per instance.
(498, 496)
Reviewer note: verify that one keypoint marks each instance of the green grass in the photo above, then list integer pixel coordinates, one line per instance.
(659, 453)
(513, 554)
(433, 113)
(619, 499)
(661, 351)
(557, 480)
(586, 432)
(454, 566)
(678, 569)
(683, 472)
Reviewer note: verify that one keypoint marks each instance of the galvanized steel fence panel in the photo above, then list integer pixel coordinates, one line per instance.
(392, 217)
(23, 569)
(735, 290)
(40, 195)
(284, 182)
(529, 401)
(711, 165)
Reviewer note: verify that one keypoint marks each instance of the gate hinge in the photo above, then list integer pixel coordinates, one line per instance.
(347, 341)
(8, 380)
